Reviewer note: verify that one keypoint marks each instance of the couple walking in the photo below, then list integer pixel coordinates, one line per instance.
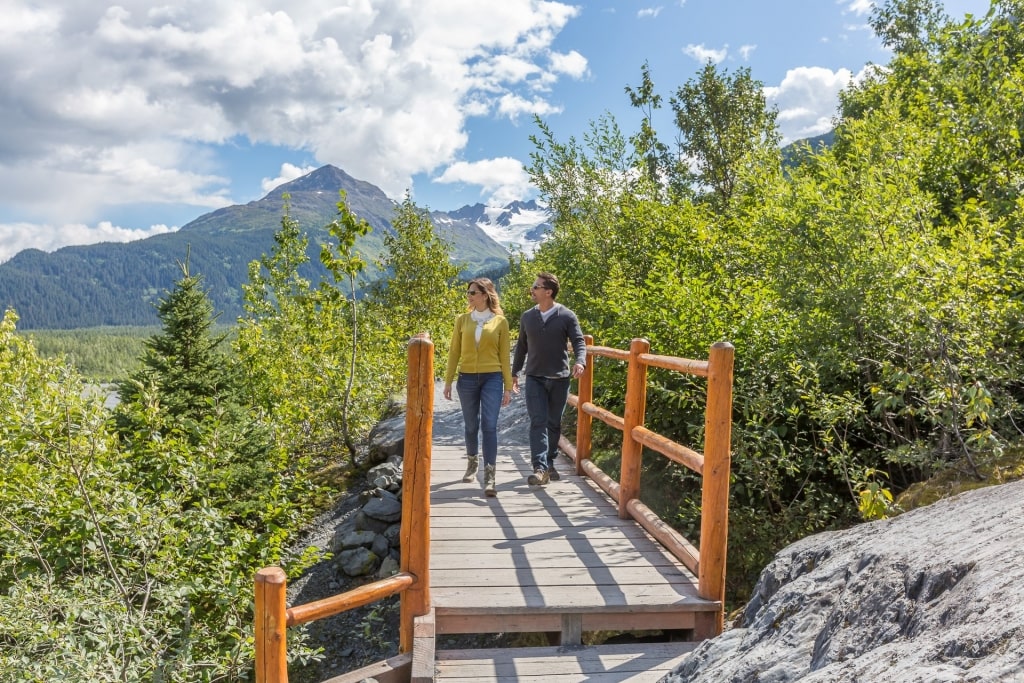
(480, 353)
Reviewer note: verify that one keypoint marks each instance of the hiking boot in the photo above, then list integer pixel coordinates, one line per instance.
(538, 478)
(553, 474)
(489, 489)
(471, 468)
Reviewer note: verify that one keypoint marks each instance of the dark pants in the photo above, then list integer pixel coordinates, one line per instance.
(545, 402)
(480, 396)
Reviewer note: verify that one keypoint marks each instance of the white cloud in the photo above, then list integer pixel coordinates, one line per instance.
(858, 7)
(113, 104)
(15, 237)
(514, 106)
(746, 51)
(705, 54)
(807, 100)
(289, 172)
(503, 180)
(651, 12)
(571, 64)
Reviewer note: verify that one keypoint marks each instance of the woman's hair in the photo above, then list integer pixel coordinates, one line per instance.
(487, 287)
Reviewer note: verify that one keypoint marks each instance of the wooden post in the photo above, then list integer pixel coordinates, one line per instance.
(583, 420)
(633, 415)
(415, 534)
(271, 624)
(714, 516)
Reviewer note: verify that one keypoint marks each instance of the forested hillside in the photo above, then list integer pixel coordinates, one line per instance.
(871, 288)
(119, 284)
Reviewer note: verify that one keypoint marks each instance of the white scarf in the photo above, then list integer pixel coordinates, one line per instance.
(480, 318)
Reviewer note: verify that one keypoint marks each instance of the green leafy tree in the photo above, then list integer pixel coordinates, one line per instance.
(724, 123)
(421, 292)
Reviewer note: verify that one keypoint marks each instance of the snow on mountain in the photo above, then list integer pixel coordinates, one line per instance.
(519, 226)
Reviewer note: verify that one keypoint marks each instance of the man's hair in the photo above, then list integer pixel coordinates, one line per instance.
(550, 282)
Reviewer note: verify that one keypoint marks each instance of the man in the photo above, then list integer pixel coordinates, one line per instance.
(545, 332)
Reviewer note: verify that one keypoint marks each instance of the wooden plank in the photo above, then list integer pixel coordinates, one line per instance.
(638, 661)
(394, 670)
(423, 648)
(591, 544)
(572, 629)
(541, 560)
(531, 523)
(628, 533)
(542, 622)
(578, 599)
(559, 576)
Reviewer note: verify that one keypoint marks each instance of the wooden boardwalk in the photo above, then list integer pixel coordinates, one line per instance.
(554, 559)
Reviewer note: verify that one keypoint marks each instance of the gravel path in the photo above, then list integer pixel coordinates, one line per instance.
(370, 634)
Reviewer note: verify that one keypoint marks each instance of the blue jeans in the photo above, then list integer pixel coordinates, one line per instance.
(545, 402)
(480, 395)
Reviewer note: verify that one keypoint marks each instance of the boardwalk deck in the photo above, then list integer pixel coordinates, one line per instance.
(550, 559)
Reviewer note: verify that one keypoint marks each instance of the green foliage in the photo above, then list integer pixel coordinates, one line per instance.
(422, 292)
(871, 288)
(100, 354)
(115, 567)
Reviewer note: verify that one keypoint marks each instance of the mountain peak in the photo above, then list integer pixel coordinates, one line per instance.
(327, 178)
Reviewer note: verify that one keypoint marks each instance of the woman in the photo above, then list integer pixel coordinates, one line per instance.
(480, 353)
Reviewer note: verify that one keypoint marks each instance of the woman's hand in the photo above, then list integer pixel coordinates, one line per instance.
(506, 398)
(448, 390)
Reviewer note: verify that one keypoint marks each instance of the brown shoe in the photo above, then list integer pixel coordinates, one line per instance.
(538, 478)
(553, 474)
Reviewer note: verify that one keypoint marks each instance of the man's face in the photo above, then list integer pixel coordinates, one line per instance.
(539, 292)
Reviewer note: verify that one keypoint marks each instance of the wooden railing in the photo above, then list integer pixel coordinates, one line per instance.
(273, 617)
(708, 564)
(412, 581)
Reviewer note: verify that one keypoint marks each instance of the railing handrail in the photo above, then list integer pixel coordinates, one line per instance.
(411, 583)
(713, 465)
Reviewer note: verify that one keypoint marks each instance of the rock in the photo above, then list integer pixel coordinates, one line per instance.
(386, 476)
(357, 562)
(387, 438)
(388, 567)
(355, 539)
(385, 509)
(380, 546)
(394, 535)
(366, 523)
(933, 595)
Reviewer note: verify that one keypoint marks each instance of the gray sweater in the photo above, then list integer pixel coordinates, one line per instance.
(542, 345)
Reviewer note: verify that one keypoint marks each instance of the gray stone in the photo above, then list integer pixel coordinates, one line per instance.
(366, 523)
(385, 509)
(394, 535)
(387, 438)
(358, 539)
(933, 595)
(380, 546)
(388, 567)
(357, 562)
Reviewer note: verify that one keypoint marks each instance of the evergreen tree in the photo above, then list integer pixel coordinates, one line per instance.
(182, 362)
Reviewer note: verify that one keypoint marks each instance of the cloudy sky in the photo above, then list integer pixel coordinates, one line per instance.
(120, 121)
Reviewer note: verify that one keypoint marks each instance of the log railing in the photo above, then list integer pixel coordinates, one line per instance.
(412, 581)
(713, 465)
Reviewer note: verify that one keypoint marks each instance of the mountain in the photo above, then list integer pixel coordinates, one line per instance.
(119, 283)
(519, 226)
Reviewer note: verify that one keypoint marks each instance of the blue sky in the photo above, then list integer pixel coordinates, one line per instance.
(121, 121)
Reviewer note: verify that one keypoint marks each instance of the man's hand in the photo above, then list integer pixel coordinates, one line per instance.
(577, 370)
(515, 384)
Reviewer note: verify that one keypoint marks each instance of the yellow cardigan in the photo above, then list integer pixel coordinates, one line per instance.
(490, 355)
